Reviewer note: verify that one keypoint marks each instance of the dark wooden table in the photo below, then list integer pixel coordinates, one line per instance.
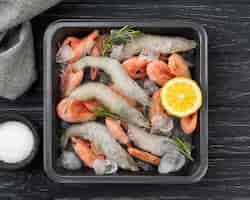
(228, 177)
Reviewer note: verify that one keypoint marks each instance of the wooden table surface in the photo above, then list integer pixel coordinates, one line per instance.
(228, 177)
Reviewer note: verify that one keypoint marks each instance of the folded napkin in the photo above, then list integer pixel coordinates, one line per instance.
(17, 60)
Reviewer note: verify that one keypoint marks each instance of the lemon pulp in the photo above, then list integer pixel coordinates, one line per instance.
(181, 97)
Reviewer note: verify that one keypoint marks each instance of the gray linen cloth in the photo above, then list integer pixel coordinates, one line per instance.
(17, 60)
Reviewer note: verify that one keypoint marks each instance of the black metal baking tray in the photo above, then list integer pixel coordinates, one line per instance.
(55, 33)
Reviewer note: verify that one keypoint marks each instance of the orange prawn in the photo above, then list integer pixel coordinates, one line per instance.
(74, 48)
(136, 67)
(178, 66)
(145, 156)
(69, 80)
(77, 110)
(189, 123)
(114, 127)
(83, 150)
(158, 72)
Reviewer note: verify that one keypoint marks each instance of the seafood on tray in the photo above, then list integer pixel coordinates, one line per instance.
(124, 93)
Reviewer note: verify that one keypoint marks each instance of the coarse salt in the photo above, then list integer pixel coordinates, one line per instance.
(16, 141)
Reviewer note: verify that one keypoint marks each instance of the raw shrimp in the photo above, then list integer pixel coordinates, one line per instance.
(145, 156)
(189, 123)
(117, 132)
(178, 66)
(92, 160)
(158, 72)
(84, 152)
(155, 144)
(69, 80)
(156, 43)
(136, 67)
(76, 110)
(95, 149)
(96, 51)
(99, 134)
(110, 100)
(149, 54)
(118, 75)
(130, 101)
(73, 48)
(160, 121)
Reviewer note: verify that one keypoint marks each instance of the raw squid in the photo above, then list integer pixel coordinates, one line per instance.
(99, 135)
(154, 43)
(118, 75)
(154, 144)
(110, 100)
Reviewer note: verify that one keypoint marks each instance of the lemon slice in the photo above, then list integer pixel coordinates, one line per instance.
(181, 97)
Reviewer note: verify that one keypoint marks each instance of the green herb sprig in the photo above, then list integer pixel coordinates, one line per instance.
(107, 46)
(124, 35)
(184, 147)
(121, 36)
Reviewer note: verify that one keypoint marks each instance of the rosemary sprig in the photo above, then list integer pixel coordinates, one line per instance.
(107, 46)
(102, 112)
(124, 35)
(184, 147)
(121, 36)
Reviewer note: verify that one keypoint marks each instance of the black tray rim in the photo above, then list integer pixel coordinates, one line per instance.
(163, 179)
